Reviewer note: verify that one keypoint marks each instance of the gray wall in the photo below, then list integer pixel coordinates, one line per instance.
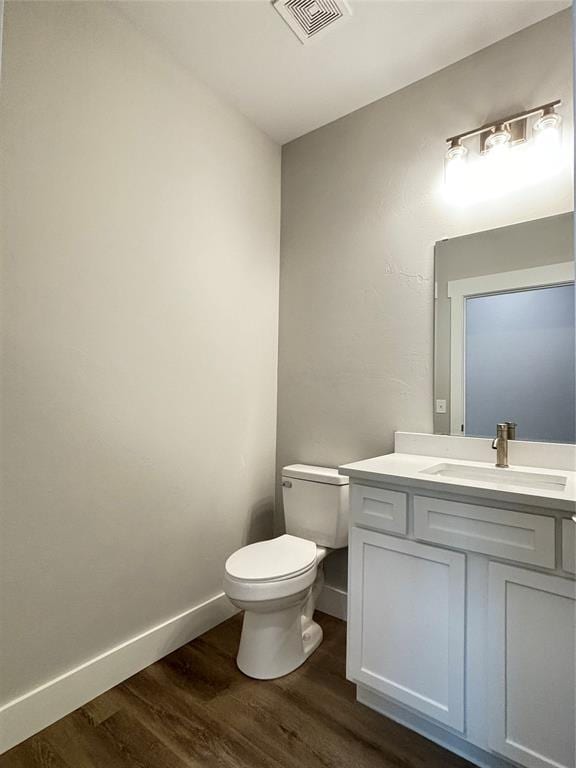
(362, 208)
(530, 244)
(140, 256)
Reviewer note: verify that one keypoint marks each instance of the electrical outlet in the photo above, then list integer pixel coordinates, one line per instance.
(440, 406)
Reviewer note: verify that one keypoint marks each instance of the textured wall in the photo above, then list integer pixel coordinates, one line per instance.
(362, 208)
(140, 248)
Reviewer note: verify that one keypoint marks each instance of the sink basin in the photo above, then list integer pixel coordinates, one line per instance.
(498, 476)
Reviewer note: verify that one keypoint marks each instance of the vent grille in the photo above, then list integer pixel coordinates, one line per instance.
(308, 18)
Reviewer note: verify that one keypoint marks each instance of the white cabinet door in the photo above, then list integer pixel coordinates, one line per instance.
(406, 623)
(531, 667)
(569, 545)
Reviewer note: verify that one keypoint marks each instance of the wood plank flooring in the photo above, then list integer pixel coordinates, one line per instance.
(194, 709)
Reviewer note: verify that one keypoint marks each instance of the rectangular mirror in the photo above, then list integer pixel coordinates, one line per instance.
(504, 340)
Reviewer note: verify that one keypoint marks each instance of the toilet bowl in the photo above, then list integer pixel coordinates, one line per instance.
(277, 582)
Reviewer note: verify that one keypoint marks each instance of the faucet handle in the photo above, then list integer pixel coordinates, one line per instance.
(511, 430)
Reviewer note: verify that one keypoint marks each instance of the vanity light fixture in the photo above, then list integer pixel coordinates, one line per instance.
(493, 169)
(513, 128)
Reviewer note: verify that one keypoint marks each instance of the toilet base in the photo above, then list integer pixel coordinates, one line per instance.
(275, 644)
(278, 635)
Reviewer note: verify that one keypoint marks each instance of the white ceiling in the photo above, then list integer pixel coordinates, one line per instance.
(244, 50)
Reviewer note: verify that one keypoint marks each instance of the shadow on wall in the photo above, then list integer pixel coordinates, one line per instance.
(260, 525)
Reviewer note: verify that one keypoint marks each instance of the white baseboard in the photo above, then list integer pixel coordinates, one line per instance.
(334, 602)
(35, 710)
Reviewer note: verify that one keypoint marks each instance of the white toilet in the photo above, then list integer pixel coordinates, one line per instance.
(277, 582)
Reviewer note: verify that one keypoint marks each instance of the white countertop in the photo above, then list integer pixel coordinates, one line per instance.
(407, 468)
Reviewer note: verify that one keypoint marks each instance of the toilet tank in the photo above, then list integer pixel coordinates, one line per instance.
(316, 504)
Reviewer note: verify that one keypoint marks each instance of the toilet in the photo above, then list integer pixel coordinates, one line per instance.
(277, 582)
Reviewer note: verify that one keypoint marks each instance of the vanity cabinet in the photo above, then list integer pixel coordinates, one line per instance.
(461, 622)
(532, 673)
(407, 625)
(569, 545)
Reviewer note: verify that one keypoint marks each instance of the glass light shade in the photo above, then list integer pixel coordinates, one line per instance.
(499, 139)
(455, 164)
(547, 129)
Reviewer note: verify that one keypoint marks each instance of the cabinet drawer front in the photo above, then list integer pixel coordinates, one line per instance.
(378, 508)
(569, 545)
(517, 536)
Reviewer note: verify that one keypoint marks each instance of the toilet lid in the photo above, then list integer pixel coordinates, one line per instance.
(279, 558)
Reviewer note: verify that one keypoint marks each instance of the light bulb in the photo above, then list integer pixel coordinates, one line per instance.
(455, 164)
(547, 129)
(499, 139)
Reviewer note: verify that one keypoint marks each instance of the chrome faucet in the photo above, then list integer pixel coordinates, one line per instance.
(504, 432)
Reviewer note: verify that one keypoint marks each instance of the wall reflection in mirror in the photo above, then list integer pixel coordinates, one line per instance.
(504, 332)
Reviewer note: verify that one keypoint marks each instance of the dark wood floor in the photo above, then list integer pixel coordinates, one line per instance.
(194, 708)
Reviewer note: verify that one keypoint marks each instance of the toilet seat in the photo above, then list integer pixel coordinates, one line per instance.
(284, 557)
(271, 570)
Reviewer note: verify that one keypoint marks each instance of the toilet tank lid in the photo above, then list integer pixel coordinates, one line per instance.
(316, 474)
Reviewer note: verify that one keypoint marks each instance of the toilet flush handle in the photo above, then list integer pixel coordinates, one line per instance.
(286, 484)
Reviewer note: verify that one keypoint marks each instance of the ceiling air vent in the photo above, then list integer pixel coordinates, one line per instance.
(308, 19)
